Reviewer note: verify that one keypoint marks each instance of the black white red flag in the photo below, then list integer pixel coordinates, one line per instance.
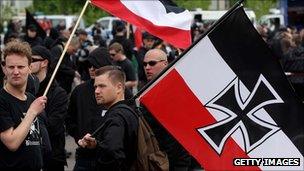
(228, 102)
(161, 18)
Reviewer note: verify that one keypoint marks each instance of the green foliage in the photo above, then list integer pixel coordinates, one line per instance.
(67, 7)
(260, 7)
(191, 4)
(92, 14)
(73, 7)
(58, 6)
(6, 13)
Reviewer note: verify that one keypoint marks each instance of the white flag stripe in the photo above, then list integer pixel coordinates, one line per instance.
(155, 12)
(205, 71)
(206, 74)
(278, 146)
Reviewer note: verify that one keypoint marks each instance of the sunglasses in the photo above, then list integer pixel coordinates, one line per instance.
(112, 54)
(151, 63)
(37, 60)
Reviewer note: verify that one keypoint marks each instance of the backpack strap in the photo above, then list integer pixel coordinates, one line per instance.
(102, 126)
(141, 118)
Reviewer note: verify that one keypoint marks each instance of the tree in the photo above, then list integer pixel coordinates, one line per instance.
(68, 7)
(260, 7)
(191, 4)
(6, 14)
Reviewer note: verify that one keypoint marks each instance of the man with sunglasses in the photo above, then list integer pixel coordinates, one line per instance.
(148, 41)
(154, 62)
(117, 55)
(56, 108)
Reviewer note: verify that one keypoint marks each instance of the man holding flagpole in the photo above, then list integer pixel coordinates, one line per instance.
(20, 129)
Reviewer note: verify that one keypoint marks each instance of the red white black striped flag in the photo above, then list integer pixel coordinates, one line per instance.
(228, 102)
(161, 18)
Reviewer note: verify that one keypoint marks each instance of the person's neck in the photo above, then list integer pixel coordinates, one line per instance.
(120, 98)
(122, 57)
(41, 75)
(17, 92)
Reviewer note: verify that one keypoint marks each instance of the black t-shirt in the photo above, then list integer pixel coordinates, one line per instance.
(127, 67)
(28, 156)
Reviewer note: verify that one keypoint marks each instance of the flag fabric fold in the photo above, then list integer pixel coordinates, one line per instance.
(227, 100)
(159, 17)
(30, 20)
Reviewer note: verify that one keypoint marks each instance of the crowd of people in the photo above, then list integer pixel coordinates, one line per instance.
(93, 79)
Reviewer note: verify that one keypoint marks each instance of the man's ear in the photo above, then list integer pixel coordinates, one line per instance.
(166, 63)
(119, 87)
(45, 63)
(4, 69)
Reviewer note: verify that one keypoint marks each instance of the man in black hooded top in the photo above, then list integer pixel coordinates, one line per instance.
(84, 115)
(55, 109)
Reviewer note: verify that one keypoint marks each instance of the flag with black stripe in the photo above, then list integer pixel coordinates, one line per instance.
(229, 99)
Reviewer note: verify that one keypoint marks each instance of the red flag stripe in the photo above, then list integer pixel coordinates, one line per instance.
(184, 107)
(137, 37)
(170, 34)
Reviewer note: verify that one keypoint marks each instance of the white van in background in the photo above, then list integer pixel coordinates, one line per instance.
(69, 20)
(107, 24)
(55, 20)
(273, 20)
(208, 16)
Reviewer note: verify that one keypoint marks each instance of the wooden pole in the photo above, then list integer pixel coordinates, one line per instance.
(65, 48)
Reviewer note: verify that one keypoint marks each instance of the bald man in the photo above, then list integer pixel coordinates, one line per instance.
(154, 62)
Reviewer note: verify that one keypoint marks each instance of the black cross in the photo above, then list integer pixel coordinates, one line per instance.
(238, 115)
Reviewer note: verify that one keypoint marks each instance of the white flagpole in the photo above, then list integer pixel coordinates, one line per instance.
(65, 48)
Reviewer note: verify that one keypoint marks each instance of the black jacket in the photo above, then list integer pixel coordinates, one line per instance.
(140, 58)
(84, 115)
(56, 109)
(117, 142)
(66, 73)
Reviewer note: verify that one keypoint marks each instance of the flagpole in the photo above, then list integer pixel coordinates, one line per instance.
(128, 30)
(227, 14)
(65, 48)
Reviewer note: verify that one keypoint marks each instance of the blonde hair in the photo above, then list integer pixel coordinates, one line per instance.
(19, 48)
(117, 47)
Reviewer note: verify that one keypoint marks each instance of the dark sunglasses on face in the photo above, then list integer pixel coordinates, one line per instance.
(112, 54)
(37, 60)
(151, 63)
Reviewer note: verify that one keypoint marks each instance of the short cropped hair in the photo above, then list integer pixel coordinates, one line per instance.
(117, 47)
(19, 48)
(115, 74)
